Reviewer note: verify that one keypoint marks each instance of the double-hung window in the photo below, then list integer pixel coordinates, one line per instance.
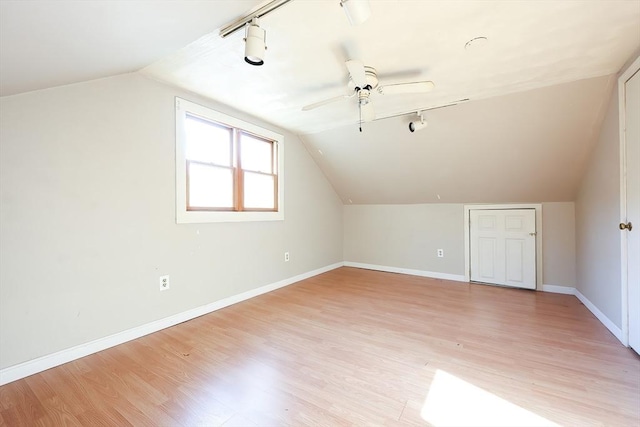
(226, 169)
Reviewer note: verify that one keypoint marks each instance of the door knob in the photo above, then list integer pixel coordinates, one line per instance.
(627, 226)
(533, 234)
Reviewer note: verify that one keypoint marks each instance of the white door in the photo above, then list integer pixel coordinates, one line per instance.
(503, 247)
(632, 139)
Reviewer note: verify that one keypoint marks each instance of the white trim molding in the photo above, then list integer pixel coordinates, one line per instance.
(616, 331)
(626, 75)
(16, 372)
(557, 289)
(467, 230)
(408, 271)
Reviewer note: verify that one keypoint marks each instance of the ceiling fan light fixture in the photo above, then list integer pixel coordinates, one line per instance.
(357, 11)
(363, 95)
(255, 43)
(418, 125)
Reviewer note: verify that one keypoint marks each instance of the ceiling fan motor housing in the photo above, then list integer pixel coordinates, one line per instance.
(371, 76)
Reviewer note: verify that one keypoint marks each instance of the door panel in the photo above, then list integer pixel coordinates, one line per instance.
(513, 223)
(514, 262)
(503, 247)
(487, 222)
(632, 137)
(487, 259)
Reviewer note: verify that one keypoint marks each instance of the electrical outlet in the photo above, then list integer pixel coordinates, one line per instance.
(164, 283)
(286, 257)
(440, 253)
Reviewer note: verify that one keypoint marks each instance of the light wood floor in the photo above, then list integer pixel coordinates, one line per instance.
(353, 347)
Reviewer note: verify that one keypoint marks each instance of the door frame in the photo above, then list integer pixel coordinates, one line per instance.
(467, 240)
(628, 73)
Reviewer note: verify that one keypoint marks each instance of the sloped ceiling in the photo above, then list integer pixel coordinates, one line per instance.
(46, 43)
(523, 147)
(538, 89)
(531, 44)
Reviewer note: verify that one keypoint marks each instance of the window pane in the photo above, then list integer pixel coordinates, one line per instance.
(255, 154)
(207, 142)
(210, 186)
(259, 191)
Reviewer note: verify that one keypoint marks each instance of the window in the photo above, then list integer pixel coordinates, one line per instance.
(226, 169)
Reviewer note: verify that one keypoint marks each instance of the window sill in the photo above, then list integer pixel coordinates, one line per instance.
(196, 217)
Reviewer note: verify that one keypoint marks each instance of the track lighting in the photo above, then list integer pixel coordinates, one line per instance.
(255, 39)
(357, 11)
(240, 23)
(414, 126)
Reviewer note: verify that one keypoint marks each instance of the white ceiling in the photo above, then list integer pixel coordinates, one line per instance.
(536, 99)
(530, 44)
(46, 43)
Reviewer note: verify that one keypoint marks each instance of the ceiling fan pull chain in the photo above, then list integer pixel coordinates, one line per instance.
(360, 110)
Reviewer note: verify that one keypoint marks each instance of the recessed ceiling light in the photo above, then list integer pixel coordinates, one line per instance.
(475, 43)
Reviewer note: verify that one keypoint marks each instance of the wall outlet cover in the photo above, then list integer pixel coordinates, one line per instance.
(164, 283)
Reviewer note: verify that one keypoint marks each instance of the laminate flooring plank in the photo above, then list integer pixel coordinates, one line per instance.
(351, 347)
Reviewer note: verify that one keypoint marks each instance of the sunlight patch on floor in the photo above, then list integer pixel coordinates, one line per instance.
(455, 402)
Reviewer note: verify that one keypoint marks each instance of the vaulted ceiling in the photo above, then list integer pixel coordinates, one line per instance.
(522, 147)
(46, 43)
(537, 88)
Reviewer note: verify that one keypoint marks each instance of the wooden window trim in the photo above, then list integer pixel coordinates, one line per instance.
(241, 172)
(238, 172)
(206, 208)
(186, 110)
(275, 192)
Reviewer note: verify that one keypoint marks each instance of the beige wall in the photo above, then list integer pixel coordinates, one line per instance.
(597, 218)
(87, 219)
(87, 222)
(559, 244)
(408, 236)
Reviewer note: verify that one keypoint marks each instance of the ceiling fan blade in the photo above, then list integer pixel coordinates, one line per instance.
(423, 109)
(326, 101)
(356, 71)
(415, 87)
(368, 112)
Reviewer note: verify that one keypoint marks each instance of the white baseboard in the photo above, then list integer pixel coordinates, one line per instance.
(431, 274)
(617, 332)
(16, 372)
(559, 289)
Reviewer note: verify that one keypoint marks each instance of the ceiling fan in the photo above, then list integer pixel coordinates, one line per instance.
(363, 81)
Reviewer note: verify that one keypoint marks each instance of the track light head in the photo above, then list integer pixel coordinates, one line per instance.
(357, 11)
(418, 125)
(414, 126)
(255, 43)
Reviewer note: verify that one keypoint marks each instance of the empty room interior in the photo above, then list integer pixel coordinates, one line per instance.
(330, 212)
